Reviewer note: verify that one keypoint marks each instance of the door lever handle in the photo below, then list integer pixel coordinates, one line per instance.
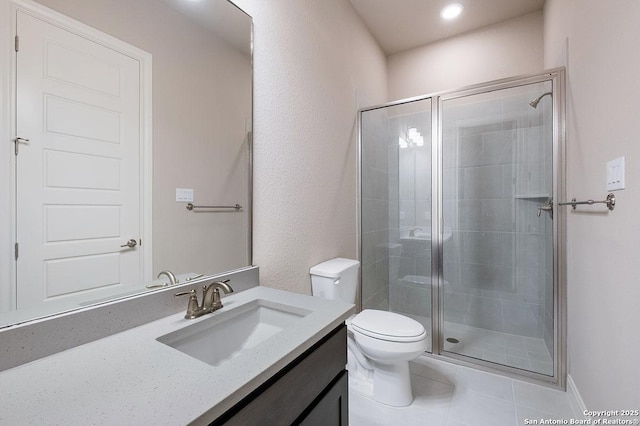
(131, 243)
(18, 141)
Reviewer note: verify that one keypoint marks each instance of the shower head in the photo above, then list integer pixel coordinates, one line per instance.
(534, 103)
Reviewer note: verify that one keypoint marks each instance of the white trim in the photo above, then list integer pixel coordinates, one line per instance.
(7, 238)
(146, 147)
(83, 30)
(145, 60)
(575, 399)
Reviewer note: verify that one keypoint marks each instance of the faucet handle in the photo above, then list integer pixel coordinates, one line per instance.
(217, 300)
(192, 306)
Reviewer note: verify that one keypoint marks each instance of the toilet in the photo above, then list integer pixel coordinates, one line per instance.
(380, 344)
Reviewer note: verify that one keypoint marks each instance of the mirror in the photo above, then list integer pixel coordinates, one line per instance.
(143, 107)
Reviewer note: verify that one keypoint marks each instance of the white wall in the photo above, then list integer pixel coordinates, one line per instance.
(310, 58)
(507, 49)
(603, 69)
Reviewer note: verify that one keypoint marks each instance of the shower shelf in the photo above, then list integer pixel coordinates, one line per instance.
(531, 196)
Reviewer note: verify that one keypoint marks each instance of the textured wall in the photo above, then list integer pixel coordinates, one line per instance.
(603, 65)
(310, 59)
(503, 50)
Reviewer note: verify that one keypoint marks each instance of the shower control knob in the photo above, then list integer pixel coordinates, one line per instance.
(547, 208)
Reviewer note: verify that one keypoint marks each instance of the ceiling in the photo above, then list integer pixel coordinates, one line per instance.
(399, 25)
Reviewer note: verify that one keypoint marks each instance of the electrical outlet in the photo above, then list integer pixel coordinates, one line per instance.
(615, 174)
(184, 195)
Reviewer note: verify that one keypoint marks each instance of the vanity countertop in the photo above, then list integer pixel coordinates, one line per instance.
(130, 378)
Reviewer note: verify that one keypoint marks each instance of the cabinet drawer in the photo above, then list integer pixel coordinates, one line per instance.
(283, 398)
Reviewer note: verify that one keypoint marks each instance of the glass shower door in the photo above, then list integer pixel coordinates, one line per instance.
(396, 158)
(497, 293)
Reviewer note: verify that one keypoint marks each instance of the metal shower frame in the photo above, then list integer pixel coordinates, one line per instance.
(557, 78)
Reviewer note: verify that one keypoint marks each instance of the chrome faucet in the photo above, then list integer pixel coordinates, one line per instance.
(211, 295)
(412, 233)
(172, 278)
(211, 300)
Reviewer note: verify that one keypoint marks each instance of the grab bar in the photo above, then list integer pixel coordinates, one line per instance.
(191, 207)
(610, 202)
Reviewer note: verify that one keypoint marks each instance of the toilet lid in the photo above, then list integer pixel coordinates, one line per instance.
(388, 326)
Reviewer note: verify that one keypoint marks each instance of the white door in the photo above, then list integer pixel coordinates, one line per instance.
(78, 177)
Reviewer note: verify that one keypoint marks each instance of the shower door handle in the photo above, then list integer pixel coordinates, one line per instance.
(548, 207)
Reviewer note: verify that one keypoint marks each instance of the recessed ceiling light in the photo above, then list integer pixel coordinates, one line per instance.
(451, 11)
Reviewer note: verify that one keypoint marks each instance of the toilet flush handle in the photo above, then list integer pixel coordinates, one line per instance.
(336, 282)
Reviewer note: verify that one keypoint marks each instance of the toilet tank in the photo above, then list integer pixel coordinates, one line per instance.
(335, 279)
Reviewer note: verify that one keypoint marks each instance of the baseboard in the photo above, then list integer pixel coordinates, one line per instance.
(575, 399)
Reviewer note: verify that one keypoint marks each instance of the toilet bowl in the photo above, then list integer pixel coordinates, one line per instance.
(388, 342)
(380, 343)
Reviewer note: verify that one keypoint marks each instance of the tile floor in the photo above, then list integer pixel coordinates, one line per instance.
(450, 395)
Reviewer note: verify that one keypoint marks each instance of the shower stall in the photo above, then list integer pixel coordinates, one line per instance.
(458, 227)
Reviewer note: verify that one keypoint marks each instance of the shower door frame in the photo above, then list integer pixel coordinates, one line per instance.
(557, 78)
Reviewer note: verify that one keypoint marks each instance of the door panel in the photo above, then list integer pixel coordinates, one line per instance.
(68, 223)
(78, 178)
(498, 294)
(81, 171)
(76, 274)
(89, 121)
(81, 68)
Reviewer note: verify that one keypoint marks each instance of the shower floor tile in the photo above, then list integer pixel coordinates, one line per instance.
(526, 353)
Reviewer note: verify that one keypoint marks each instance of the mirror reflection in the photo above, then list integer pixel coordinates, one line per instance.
(122, 119)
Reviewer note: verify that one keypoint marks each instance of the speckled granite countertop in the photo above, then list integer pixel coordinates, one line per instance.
(130, 378)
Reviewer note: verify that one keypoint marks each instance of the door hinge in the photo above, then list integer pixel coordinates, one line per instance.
(17, 43)
(16, 250)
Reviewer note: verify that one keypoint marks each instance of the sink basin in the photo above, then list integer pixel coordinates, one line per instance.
(226, 335)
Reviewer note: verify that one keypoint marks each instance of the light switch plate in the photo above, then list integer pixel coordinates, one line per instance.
(615, 174)
(184, 195)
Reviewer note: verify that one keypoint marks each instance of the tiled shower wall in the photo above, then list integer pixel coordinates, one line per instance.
(479, 209)
(495, 177)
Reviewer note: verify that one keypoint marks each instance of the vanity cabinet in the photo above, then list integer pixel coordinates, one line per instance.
(333, 406)
(311, 390)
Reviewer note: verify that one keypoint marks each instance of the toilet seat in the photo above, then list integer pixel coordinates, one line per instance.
(389, 326)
